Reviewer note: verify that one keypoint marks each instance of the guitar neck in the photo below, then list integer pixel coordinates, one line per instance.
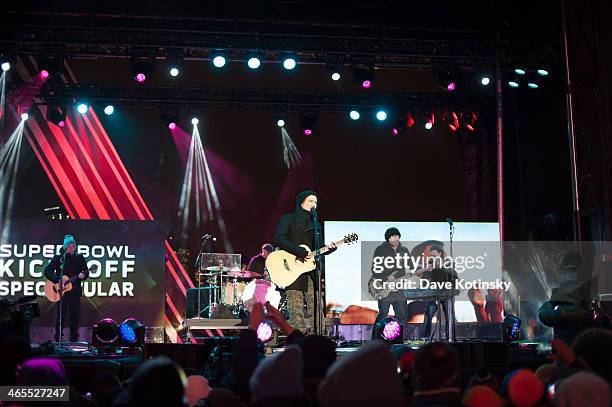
(327, 248)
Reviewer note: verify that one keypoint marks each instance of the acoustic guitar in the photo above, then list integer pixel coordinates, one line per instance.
(284, 268)
(55, 291)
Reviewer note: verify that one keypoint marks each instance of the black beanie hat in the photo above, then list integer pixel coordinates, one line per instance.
(303, 195)
(392, 232)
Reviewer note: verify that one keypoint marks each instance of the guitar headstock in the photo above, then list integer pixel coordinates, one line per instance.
(350, 238)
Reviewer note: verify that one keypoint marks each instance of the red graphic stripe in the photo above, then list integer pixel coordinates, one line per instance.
(95, 172)
(179, 265)
(60, 192)
(129, 180)
(178, 282)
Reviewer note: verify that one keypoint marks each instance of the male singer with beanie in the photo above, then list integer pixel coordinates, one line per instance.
(391, 248)
(294, 229)
(70, 264)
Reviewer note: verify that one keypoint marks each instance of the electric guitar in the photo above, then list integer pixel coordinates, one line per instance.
(380, 293)
(284, 268)
(55, 291)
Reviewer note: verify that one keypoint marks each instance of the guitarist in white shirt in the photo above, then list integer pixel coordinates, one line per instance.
(390, 248)
(74, 265)
(294, 229)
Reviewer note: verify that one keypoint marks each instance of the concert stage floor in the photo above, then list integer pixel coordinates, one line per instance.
(83, 363)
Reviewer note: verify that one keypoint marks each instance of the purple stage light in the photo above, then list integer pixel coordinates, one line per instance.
(367, 84)
(451, 86)
(395, 131)
(61, 123)
(172, 126)
(307, 132)
(140, 77)
(44, 74)
(264, 332)
(392, 330)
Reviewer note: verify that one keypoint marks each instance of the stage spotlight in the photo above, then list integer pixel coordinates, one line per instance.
(50, 63)
(363, 73)
(453, 121)
(289, 63)
(56, 115)
(265, 333)
(400, 125)
(444, 75)
(485, 80)
(142, 64)
(5, 61)
(471, 122)
(381, 115)
(218, 60)
(520, 71)
(513, 83)
(430, 121)
(389, 330)
(280, 123)
(24, 116)
(254, 62)
(409, 120)
(82, 108)
(195, 121)
(485, 73)
(109, 109)
(543, 72)
(354, 115)
(532, 85)
(308, 121)
(106, 332)
(132, 333)
(335, 76)
(169, 116)
(174, 61)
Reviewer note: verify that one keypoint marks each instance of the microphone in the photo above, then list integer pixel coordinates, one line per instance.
(208, 237)
(449, 221)
(62, 250)
(314, 212)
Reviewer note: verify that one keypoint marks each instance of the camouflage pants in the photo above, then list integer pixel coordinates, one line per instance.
(295, 307)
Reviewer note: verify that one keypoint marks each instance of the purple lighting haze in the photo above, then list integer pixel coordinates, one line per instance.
(44, 74)
(140, 77)
(391, 330)
(307, 132)
(451, 86)
(172, 126)
(366, 84)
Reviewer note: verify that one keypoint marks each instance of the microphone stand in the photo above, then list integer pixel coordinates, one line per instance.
(451, 299)
(318, 309)
(60, 335)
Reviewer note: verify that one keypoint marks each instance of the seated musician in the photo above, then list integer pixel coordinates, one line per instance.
(390, 248)
(436, 272)
(257, 264)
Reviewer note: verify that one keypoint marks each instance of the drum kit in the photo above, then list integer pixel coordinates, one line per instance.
(231, 291)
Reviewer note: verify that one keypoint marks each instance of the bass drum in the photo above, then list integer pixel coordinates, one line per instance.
(260, 291)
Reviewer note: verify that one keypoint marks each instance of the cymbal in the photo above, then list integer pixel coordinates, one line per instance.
(243, 274)
(200, 274)
(215, 268)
